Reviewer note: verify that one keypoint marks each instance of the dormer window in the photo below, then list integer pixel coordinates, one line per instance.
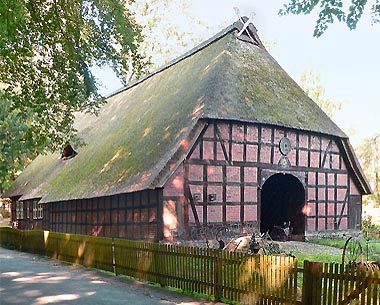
(68, 153)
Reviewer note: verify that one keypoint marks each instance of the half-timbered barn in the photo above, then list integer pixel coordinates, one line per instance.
(221, 135)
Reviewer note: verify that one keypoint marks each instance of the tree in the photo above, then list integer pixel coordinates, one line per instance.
(369, 156)
(331, 10)
(311, 84)
(166, 38)
(16, 147)
(47, 49)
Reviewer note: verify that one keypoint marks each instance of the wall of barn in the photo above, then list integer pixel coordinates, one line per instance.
(220, 181)
(175, 206)
(27, 216)
(132, 216)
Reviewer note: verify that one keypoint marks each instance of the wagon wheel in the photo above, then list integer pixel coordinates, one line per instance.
(268, 245)
(353, 252)
(219, 239)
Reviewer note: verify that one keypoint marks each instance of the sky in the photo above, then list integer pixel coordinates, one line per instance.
(347, 61)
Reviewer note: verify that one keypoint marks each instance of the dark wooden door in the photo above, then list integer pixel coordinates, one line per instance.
(355, 212)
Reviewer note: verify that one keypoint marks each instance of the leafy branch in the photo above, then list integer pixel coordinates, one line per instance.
(331, 10)
(47, 49)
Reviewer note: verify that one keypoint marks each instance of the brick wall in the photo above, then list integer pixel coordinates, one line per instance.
(223, 173)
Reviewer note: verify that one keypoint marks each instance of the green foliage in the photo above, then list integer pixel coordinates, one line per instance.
(331, 10)
(373, 250)
(371, 231)
(311, 84)
(368, 153)
(46, 51)
(166, 38)
(5, 211)
(16, 143)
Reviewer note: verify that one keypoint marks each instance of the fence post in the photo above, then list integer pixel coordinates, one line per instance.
(312, 283)
(113, 256)
(23, 233)
(157, 252)
(217, 276)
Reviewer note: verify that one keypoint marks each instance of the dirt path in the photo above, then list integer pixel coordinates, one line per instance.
(308, 248)
(287, 247)
(30, 279)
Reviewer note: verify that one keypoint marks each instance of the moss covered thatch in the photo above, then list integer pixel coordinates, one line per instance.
(142, 127)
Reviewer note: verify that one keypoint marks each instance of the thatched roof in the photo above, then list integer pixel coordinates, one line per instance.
(144, 130)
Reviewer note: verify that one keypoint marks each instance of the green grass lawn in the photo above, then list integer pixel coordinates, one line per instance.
(324, 258)
(371, 250)
(332, 242)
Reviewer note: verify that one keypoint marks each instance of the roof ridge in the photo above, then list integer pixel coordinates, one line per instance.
(234, 26)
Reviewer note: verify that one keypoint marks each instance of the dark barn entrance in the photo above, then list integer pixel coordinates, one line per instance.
(282, 201)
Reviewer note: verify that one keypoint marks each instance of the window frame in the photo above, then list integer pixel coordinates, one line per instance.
(19, 210)
(34, 209)
(38, 211)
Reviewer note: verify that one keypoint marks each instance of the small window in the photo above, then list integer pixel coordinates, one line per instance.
(34, 209)
(19, 210)
(40, 211)
(37, 210)
(68, 153)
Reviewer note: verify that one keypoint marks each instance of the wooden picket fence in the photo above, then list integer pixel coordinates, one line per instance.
(248, 279)
(234, 276)
(329, 284)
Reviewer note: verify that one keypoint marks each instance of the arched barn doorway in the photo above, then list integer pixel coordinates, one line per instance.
(282, 201)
